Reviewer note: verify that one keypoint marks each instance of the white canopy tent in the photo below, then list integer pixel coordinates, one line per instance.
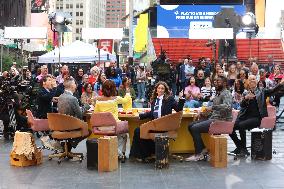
(78, 51)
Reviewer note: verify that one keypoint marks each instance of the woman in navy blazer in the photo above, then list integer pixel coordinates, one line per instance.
(143, 148)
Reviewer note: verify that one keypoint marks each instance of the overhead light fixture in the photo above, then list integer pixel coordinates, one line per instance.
(249, 19)
(59, 20)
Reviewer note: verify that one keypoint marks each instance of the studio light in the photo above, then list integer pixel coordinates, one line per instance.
(249, 19)
(59, 20)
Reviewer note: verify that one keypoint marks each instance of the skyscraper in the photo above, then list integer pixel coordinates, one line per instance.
(115, 11)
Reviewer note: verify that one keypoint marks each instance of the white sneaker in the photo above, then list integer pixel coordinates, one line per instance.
(204, 151)
(195, 157)
(51, 144)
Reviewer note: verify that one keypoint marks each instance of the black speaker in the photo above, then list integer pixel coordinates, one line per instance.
(162, 151)
(92, 154)
(261, 144)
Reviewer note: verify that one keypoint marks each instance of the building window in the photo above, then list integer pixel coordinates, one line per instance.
(77, 5)
(67, 6)
(77, 22)
(81, 5)
(77, 13)
(71, 6)
(81, 13)
(77, 30)
(77, 38)
(81, 22)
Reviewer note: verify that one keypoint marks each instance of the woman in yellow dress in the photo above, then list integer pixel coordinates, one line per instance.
(108, 102)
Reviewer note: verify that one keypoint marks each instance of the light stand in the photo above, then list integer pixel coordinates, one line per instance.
(58, 22)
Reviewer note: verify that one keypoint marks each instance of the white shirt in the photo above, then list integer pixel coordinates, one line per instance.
(160, 105)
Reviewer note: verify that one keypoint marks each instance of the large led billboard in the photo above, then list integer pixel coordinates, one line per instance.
(174, 21)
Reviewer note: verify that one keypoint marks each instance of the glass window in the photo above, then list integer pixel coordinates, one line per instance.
(81, 5)
(81, 22)
(81, 13)
(77, 30)
(71, 6)
(77, 22)
(67, 6)
(77, 38)
(77, 5)
(77, 13)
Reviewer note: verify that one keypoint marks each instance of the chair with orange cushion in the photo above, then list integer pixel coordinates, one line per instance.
(66, 128)
(168, 125)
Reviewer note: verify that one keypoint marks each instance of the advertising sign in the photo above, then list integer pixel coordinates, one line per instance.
(106, 45)
(174, 21)
(38, 6)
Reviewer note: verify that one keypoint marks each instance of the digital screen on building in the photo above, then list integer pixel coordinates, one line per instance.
(200, 2)
(38, 6)
(174, 21)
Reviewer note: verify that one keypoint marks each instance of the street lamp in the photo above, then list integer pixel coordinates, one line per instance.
(58, 22)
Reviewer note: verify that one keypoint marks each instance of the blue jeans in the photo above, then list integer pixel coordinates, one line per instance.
(192, 104)
(141, 90)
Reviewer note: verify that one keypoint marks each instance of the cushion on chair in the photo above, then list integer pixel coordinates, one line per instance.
(96, 131)
(221, 127)
(61, 135)
(268, 122)
(121, 127)
(40, 125)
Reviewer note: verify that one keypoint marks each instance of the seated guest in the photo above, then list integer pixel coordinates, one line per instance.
(221, 110)
(192, 94)
(253, 109)
(99, 83)
(237, 93)
(162, 104)
(208, 92)
(108, 102)
(88, 97)
(126, 87)
(69, 105)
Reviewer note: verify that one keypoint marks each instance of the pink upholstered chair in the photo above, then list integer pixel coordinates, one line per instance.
(223, 127)
(269, 122)
(37, 124)
(104, 123)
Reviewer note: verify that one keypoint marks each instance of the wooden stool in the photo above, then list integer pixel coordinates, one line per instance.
(218, 151)
(25, 152)
(108, 153)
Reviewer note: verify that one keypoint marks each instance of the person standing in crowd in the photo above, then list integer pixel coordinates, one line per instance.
(126, 86)
(181, 75)
(64, 71)
(254, 71)
(79, 76)
(199, 81)
(208, 92)
(141, 80)
(108, 102)
(237, 93)
(189, 69)
(232, 75)
(162, 104)
(99, 83)
(46, 96)
(173, 79)
(88, 96)
(95, 71)
(43, 72)
(192, 94)
(221, 109)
